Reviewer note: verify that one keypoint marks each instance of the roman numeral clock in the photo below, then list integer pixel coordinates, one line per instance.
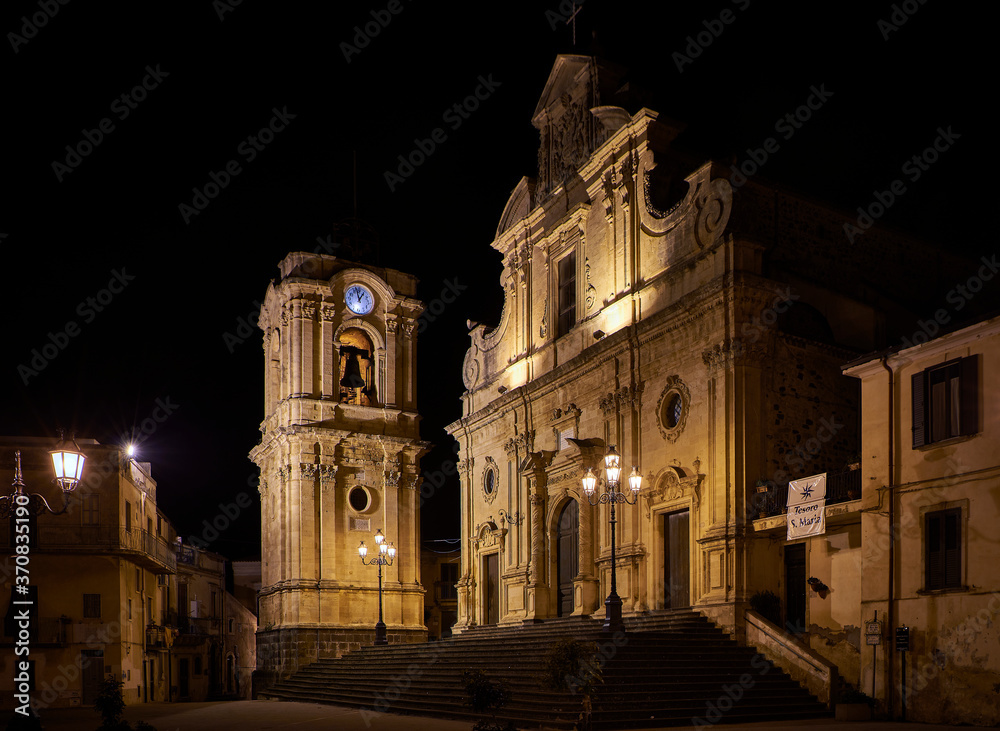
(339, 460)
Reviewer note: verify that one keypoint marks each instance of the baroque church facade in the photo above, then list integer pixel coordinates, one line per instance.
(696, 323)
(339, 460)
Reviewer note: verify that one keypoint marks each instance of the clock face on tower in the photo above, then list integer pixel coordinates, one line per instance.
(359, 300)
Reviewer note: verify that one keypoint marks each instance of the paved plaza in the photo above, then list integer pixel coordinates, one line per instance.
(260, 715)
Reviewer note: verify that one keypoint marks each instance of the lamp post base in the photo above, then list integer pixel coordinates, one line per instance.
(380, 635)
(613, 613)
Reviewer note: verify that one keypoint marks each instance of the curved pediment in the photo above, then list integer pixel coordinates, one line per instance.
(519, 205)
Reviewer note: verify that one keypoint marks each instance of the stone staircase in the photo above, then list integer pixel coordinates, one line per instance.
(670, 668)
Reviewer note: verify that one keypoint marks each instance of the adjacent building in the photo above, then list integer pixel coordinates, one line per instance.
(929, 556)
(113, 589)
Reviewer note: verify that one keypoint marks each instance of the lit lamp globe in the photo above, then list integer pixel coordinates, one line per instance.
(611, 466)
(67, 460)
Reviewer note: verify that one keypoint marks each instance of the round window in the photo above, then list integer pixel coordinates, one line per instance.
(491, 482)
(359, 499)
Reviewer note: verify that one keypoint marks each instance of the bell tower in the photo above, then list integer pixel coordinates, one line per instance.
(339, 459)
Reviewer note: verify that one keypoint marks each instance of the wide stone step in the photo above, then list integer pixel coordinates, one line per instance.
(676, 668)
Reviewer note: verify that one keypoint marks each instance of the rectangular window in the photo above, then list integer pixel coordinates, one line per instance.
(449, 577)
(945, 401)
(129, 605)
(943, 538)
(128, 515)
(567, 294)
(91, 509)
(92, 606)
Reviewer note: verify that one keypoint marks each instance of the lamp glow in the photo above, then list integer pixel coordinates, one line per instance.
(635, 480)
(67, 460)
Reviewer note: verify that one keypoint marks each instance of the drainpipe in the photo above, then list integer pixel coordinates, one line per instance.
(890, 613)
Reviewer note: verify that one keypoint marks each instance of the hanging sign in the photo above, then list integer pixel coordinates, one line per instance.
(806, 507)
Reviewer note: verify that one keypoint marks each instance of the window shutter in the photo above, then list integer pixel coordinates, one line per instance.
(970, 394)
(952, 544)
(932, 536)
(917, 382)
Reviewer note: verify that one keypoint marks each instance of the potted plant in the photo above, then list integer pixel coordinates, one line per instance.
(763, 487)
(767, 604)
(853, 705)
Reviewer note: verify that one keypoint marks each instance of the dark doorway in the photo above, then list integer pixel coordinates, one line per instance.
(93, 673)
(491, 588)
(185, 674)
(568, 556)
(676, 580)
(795, 588)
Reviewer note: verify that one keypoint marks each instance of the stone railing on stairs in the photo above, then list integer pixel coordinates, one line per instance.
(815, 673)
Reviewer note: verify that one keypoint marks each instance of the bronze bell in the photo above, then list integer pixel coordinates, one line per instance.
(352, 372)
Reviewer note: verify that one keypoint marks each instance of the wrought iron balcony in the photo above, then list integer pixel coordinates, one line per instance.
(145, 548)
(841, 487)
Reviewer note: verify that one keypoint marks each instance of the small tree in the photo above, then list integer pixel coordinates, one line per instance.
(486, 696)
(572, 665)
(110, 703)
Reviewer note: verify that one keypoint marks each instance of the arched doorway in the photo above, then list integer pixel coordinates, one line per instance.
(568, 556)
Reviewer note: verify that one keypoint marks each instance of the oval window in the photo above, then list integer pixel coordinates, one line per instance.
(359, 499)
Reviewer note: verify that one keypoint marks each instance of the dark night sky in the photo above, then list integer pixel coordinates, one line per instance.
(163, 336)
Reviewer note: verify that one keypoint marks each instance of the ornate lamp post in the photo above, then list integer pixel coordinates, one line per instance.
(612, 495)
(67, 461)
(386, 553)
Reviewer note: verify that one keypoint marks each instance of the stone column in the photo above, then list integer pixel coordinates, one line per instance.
(296, 347)
(329, 359)
(392, 396)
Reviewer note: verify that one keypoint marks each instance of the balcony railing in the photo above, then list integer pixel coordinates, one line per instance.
(840, 488)
(77, 538)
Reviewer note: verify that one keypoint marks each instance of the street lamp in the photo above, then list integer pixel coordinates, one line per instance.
(67, 461)
(612, 495)
(386, 553)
